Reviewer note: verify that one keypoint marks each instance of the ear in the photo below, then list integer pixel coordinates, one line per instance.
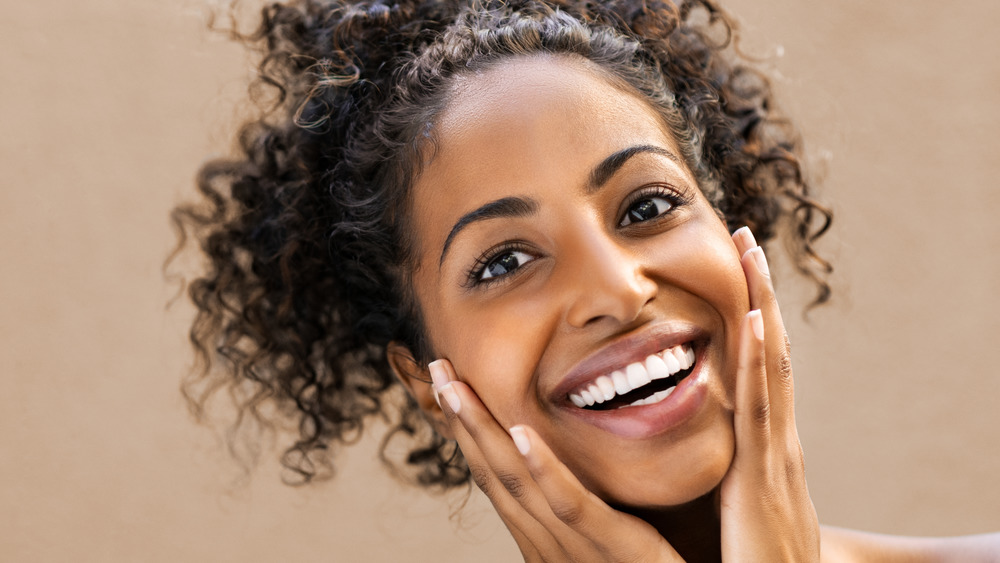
(417, 380)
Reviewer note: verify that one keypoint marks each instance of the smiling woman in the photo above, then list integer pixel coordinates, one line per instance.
(600, 252)
(522, 213)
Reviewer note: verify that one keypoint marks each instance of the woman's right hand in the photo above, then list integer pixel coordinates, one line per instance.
(552, 517)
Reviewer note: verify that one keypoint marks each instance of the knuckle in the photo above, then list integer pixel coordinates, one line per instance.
(785, 366)
(482, 479)
(793, 467)
(785, 362)
(761, 413)
(795, 463)
(514, 484)
(570, 511)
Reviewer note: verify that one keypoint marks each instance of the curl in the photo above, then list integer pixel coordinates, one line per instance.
(304, 231)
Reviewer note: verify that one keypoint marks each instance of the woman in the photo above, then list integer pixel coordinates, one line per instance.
(521, 212)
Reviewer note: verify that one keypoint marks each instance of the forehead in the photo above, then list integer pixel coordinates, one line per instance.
(522, 98)
(529, 126)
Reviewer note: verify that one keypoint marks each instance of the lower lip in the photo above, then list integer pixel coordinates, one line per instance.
(645, 421)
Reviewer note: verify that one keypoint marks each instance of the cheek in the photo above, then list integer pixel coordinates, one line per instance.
(700, 258)
(495, 348)
(703, 263)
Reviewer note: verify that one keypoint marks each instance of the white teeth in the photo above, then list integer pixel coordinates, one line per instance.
(634, 376)
(682, 358)
(607, 387)
(654, 398)
(656, 368)
(635, 372)
(620, 380)
(639, 377)
(596, 392)
(670, 359)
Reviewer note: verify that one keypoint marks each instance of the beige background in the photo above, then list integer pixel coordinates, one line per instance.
(107, 107)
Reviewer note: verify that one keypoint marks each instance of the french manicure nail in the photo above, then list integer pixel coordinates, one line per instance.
(746, 235)
(521, 440)
(757, 324)
(437, 396)
(758, 257)
(438, 374)
(451, 396)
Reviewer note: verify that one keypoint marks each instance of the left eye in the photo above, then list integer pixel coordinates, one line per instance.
(645, 209)
(505, 264)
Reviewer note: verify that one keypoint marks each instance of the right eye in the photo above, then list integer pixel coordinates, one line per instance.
(502, 264)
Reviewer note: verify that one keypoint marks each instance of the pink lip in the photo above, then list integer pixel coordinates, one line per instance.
(617, 355)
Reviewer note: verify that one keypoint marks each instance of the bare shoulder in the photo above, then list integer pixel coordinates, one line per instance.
(840, 545)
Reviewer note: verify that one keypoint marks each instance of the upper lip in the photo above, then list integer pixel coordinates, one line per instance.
(626, 350)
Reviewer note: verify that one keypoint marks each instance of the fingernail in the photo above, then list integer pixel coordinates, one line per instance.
(439, 375)
(757, 324)
(437, 396)
(451, 396)
(521, 440)
(758, 257)
(746, 235)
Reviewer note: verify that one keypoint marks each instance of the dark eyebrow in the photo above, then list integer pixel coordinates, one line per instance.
(505, 207)
(607, 168)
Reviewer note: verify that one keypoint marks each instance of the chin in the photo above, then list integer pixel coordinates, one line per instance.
(665, 477)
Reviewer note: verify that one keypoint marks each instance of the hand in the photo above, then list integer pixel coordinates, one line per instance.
(767, 514)
(552, 517)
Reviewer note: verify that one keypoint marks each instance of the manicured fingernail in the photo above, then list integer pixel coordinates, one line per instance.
(757, 324)
(437, 396)
(439, 375)
(521, 440)
(758, 257)
(747, 237)
(451, 396)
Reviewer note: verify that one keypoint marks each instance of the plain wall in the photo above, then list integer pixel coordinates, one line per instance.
(108, 107)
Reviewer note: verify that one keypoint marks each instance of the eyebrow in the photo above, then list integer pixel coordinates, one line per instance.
(505, 207)
(607, 168)
(521, 207)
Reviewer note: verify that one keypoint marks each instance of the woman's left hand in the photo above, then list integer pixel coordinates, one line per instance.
(766, 511)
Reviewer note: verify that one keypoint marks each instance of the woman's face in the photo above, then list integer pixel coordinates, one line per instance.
(566, 256)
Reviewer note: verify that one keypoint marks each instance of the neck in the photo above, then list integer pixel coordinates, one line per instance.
(693, 529)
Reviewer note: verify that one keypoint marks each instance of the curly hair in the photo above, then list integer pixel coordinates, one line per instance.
(305, 231)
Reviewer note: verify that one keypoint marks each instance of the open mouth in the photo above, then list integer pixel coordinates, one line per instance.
(639, 383)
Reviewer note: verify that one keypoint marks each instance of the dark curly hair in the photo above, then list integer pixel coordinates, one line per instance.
(306, 230)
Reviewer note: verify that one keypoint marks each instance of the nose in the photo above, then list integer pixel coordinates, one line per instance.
(607, 281)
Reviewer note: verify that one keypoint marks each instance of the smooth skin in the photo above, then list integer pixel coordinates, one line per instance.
(719, 477)
(535, 132)
(765, 508)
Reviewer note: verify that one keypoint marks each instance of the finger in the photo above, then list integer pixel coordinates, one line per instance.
(759, 286)
(530, 535)
(779, 363)
(497, 467)
(509, 468)
(529, 552)
(752, 417)
(744, 240)
(619, 536)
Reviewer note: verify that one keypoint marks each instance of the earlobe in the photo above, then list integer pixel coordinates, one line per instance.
(417, 381)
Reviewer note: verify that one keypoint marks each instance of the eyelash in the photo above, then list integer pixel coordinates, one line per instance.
(674, 198)
(474, 277)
